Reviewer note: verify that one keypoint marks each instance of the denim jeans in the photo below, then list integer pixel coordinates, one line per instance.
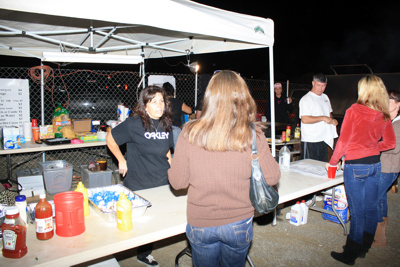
(175, 132)
(361, 184)
(225, 245)
(385, 181)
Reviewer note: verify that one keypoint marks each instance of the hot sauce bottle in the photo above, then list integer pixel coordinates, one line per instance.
(44, 219)
(14, 234)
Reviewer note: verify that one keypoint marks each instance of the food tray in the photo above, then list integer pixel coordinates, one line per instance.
(139, 204)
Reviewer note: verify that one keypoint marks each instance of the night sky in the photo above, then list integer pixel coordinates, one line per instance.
(310, 36)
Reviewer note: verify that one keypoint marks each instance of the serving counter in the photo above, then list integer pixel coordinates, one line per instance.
(165, 218)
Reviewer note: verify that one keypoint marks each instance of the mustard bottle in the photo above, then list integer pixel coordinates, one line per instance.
(81, 188)
(124, 213)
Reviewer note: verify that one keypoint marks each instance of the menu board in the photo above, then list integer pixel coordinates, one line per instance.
(14, 102)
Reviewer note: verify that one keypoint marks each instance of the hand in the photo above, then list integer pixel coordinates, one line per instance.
(122, 168)
(327, 166)
(289, 100)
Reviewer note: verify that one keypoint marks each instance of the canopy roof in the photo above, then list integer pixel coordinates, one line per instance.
(149, 28)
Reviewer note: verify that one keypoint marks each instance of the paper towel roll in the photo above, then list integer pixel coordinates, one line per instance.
(28, 131)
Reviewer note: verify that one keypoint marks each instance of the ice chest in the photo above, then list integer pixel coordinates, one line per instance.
(95, 179)
(57, 176)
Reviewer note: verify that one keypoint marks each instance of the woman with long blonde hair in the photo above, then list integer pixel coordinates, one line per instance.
(366, 131)
(212, 159)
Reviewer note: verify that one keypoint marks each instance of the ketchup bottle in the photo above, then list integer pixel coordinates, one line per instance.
(44, 219)
(14, 234)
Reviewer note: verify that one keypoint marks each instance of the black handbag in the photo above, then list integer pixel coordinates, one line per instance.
(264, 197)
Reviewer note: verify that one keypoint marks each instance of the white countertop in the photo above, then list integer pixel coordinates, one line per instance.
(165, 218)
(31, 146)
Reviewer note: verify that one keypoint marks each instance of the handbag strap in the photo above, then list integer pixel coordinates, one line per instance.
(254, 145)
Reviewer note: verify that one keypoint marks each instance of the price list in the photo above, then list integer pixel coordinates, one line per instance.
(14, 102)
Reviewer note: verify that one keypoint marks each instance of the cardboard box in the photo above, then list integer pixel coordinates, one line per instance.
(46, 132)
(11, 138)
(83, 125)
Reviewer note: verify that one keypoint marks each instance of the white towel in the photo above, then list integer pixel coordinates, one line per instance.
(330, 134)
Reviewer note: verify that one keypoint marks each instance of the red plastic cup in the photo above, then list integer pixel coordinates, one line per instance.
(332, 171)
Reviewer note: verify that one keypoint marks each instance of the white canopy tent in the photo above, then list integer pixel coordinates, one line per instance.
(128, 31)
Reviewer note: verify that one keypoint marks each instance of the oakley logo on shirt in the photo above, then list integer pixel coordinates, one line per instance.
(157, 135)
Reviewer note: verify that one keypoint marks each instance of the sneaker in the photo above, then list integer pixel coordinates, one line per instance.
(149, 261)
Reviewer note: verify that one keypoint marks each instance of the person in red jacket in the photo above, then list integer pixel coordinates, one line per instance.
(366, 131)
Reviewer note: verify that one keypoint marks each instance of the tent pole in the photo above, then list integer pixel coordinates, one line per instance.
(272, 98)
(195, 90)
(42, 100)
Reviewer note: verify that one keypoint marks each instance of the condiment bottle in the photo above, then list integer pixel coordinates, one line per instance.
(44, 219)
(14, 234)
(297, 132)
(124, 213)
(81, 188)
(20, 203)
(288, 130)
(35, 130)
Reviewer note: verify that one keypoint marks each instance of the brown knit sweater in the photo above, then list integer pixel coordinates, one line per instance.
(219, 182)
(390, 159)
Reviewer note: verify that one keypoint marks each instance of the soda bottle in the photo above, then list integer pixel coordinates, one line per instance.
(44, 219)
(14, 234)
(124, 213)
(81, 188)
(297, 132)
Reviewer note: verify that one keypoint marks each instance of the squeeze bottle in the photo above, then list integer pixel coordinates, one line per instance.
(44, 219)
(14, 234)
(20, 203)
(124, 213)
(305, 211)
(296, 214)
(81, 188)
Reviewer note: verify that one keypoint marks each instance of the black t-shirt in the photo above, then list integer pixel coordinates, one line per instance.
(146, 153)
(281, 110)
(176, 108)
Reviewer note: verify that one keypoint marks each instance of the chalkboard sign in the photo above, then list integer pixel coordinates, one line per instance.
(14, 102)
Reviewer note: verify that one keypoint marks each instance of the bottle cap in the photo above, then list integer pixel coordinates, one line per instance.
(42, 196)
(34, 123)
(12, 210)
(20, 198)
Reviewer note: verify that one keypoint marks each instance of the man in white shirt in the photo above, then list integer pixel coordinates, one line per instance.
(318, 127)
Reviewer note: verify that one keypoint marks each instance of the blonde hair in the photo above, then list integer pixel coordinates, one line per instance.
(228, 109)
(373, 94)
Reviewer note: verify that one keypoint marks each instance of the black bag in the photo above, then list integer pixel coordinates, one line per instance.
(264, 197)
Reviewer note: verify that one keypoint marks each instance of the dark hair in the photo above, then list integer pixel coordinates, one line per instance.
(395, 95)
(169, 89)
(319, 77)
(146, 95)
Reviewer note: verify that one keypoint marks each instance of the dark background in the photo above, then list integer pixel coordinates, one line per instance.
(310, 36)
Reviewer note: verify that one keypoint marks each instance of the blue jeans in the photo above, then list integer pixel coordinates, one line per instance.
(361, 184)
(226, 244)
(385, 181)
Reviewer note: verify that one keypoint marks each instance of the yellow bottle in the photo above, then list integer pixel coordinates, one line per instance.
(81, 188)
(124, 213)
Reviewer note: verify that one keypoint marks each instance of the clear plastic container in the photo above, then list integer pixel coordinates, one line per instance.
(57, 176)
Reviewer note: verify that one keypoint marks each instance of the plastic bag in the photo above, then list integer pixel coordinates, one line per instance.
(60, 118)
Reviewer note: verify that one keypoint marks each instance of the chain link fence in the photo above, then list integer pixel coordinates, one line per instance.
(95, 94)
